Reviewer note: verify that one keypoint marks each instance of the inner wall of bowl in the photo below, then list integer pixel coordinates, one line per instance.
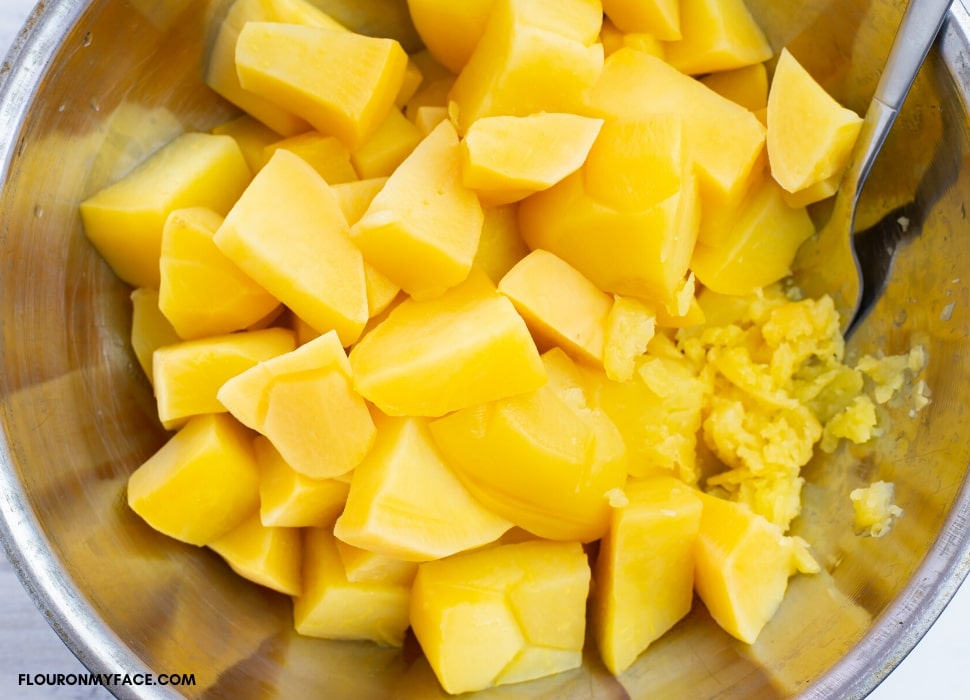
(79, 416)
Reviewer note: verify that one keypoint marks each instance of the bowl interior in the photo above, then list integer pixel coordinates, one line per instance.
(101, 84)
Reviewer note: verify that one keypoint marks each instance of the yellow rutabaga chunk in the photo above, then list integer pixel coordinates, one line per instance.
(269, 556)
(326, 154)
(500, 245)
(638, 193)
(450, 30)
(405, 502)
(422, 229)
(310, 264)
(333, 607)
(717, 35)
(753, 245)
(124, 221)
(289, 499)
(502, 614)
(362, 565)
(726, 140)
(613, 39)
(341, 82)
(534, 56)
(187, 375)
(810, 135)
(202, 292)
(354, 197)
(433, 100)
(150, 329)
(561, 307)
(661, 18)
(427, 117)
(304, 403)
(545, 460)
(387, 147)
(504, 159)
(252, 136)
(746, 86)
(221, 73)
(644, 571)
(428, 358)
(200, 484)
(742, 566)
(410, 85)
(658, 413)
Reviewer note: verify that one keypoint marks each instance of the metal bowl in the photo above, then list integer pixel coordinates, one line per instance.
(95, 85)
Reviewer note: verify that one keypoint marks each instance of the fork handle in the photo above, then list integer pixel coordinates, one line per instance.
(917, 32)
(915, 37)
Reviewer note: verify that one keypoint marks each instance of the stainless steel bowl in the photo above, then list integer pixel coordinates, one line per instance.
(95, 85)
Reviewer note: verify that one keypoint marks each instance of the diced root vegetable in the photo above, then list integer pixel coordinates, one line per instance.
(502, 614)
(124, 221)
(644, 571)
(310, 264)
(428, 358)
(406, 502)
(810, 135)
(303, 401)
(422, 229)
(200, 484)
(280, 63)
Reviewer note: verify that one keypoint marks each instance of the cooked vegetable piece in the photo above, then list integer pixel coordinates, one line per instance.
(544, 459)
(422, 229)
(661, 18)
(644, 571)
(638, 192)
(502, 614)
(290, 499)
(718, 35)
(561, 307)
(810, 135)
(304, 402)
(450, 30)
(326, 154)
(534, 55)
(504, 159)
(203, 293)
(406, 502)
(387, 147)
(752, 245)
(200, 484)
(124, 221)
(349, 99)
(333, 607)
(742, 566)
(726, 140)
(310, 264)
(220, 70)
(150, 329)
(746, 86)
(428, 358)
(267, 555)
(188, 374)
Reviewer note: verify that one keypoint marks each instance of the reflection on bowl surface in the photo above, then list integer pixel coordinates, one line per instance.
(98, 85)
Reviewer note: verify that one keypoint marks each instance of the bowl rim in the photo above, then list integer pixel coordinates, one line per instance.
(24, 541)
(894, 634)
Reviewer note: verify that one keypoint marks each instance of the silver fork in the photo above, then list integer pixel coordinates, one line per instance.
(830, 262)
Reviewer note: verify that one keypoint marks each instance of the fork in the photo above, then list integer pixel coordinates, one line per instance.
(831, 262)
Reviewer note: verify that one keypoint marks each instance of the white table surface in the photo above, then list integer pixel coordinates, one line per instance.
(28, 645)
